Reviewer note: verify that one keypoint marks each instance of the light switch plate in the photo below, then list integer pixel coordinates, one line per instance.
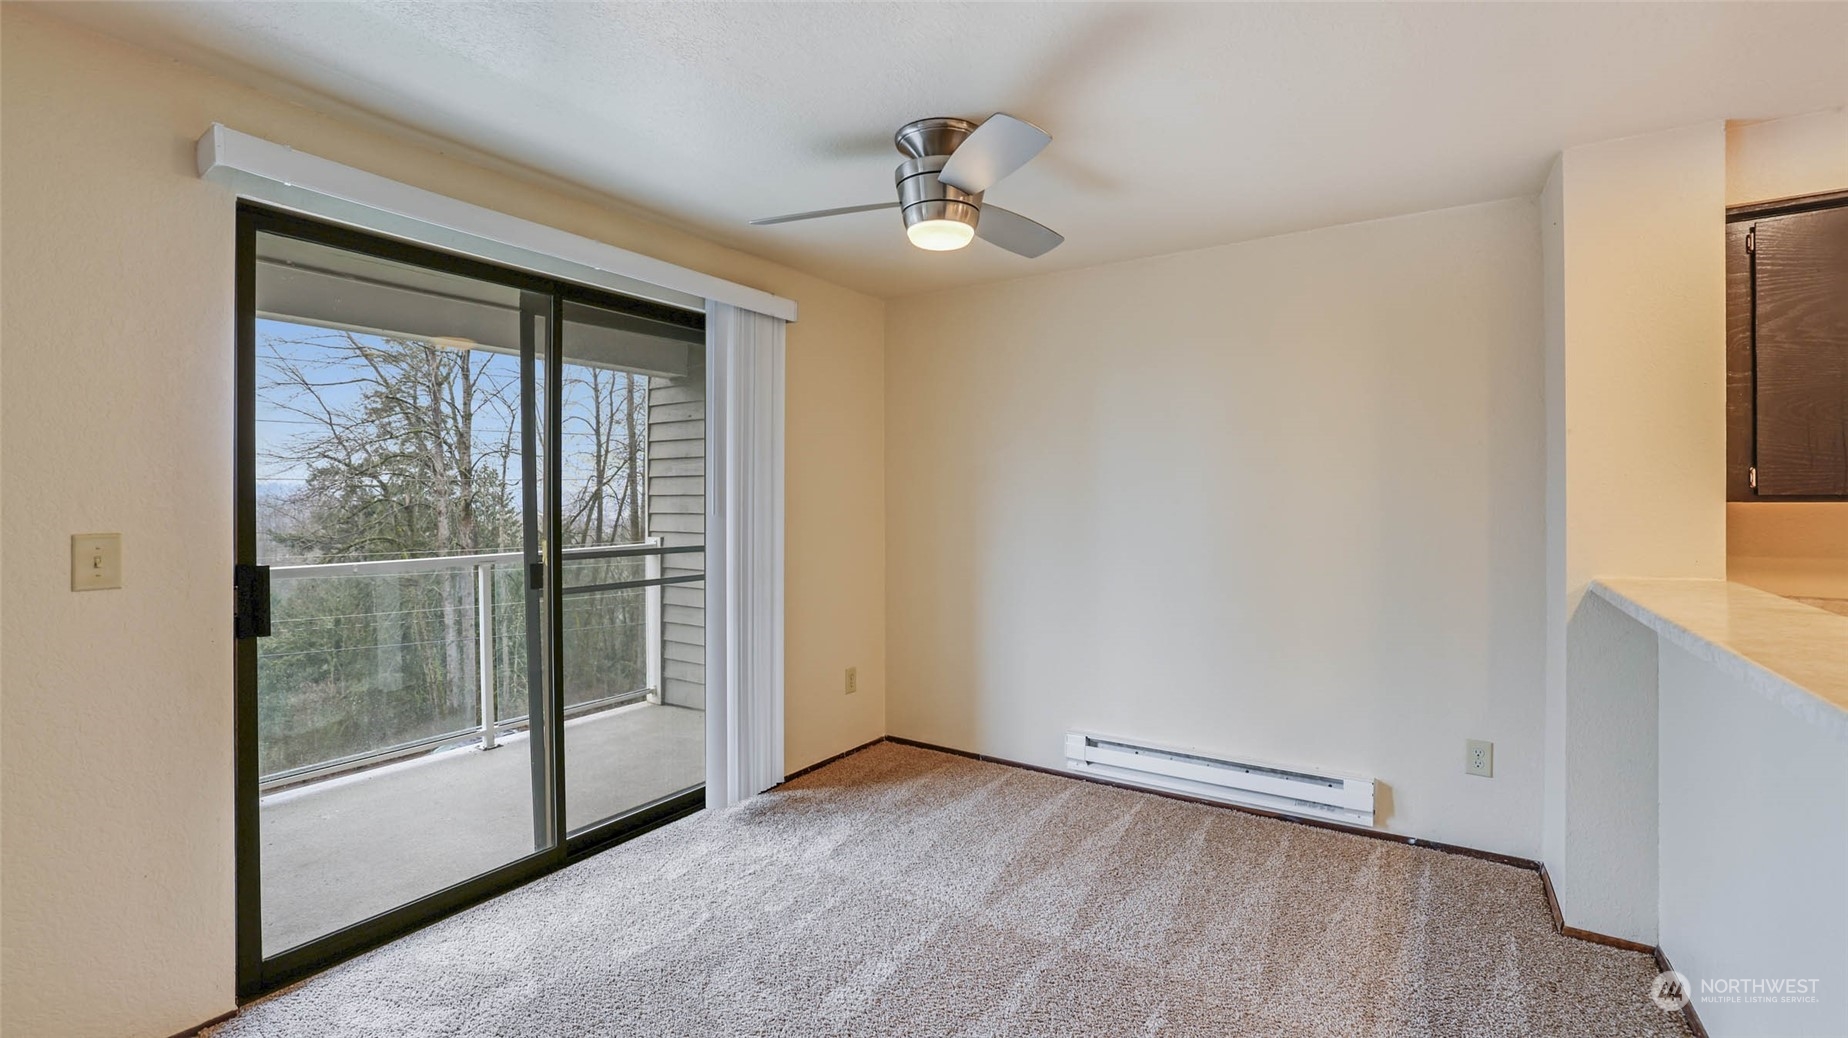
(96, 561)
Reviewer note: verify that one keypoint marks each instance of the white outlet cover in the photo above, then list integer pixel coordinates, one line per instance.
(1479, 758)
(96, 561)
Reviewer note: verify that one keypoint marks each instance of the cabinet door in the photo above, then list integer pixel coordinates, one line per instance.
(1800, 323)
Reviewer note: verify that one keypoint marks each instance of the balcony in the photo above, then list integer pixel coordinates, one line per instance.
(394, 747)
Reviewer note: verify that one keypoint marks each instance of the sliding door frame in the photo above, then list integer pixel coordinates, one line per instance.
(257, 974)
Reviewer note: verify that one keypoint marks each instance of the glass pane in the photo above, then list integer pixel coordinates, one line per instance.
(391, 505)
(622, 749)
(633, 427)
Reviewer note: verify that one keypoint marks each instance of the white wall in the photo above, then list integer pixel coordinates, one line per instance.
(1754, 849)
(1606, 879)
(1281, 499)
(116, 717)
(1636, 477)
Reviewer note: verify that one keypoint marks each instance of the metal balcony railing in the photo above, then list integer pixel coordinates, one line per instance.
(486, 728)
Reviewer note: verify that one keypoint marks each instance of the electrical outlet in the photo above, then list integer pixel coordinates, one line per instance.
(853, 680)
(1479, 758)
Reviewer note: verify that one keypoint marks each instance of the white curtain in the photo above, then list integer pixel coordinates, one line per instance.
(744, 554)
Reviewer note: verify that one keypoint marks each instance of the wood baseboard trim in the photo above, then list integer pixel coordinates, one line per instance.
(1374, 834)
(190, 1032)
(1688, 1015)
(1559, 924)
(839, 756)
(1552, 900)
(1607, 940)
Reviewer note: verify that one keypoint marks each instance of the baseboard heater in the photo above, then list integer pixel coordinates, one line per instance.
(1293, 791)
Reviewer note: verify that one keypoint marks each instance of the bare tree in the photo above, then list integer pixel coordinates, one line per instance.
(397, 465)
(405, 448)
(601, 412)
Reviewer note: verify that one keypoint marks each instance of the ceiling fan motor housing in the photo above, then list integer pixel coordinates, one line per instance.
(922, 196)
(935, 136)
(927, 144)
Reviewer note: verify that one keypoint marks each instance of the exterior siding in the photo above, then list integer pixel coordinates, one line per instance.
(676, 470)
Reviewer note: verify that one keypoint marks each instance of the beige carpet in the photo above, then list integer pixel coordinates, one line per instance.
(910, 893)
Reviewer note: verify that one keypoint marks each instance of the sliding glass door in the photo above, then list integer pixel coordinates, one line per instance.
(468, 568)
(632, 427)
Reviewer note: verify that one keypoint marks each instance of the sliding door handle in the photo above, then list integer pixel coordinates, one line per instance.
(253, 601)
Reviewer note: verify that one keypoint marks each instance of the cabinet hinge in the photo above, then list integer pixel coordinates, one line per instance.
(1751, 239)
(1751, 477)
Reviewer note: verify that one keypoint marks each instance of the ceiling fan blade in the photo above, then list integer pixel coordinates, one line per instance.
(998, 147)
(1016, 233)
(819, 213)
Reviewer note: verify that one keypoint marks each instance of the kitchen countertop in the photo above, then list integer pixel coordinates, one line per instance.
(1793, 654)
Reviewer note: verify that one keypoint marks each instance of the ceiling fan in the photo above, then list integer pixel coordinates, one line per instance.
(948, 164)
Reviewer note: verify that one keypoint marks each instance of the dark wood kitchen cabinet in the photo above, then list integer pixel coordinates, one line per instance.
(1787, 350)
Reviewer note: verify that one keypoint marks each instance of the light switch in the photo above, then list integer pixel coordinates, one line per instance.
(96, 561)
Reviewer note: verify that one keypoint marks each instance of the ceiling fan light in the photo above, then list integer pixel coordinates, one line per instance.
(940, 235)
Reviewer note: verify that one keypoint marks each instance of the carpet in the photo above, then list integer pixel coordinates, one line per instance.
(907, 892)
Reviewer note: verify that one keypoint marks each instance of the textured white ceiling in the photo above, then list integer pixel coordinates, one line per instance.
(1174, 126)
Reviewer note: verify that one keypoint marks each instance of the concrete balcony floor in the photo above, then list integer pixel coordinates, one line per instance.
(345, 849)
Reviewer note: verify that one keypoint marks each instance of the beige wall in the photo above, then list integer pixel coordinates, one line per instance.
(1635, 481)
(1782, 158)
(1279, 499)
(117, 330)
(1797, 548)
(1790, 548)
(1645, 363)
